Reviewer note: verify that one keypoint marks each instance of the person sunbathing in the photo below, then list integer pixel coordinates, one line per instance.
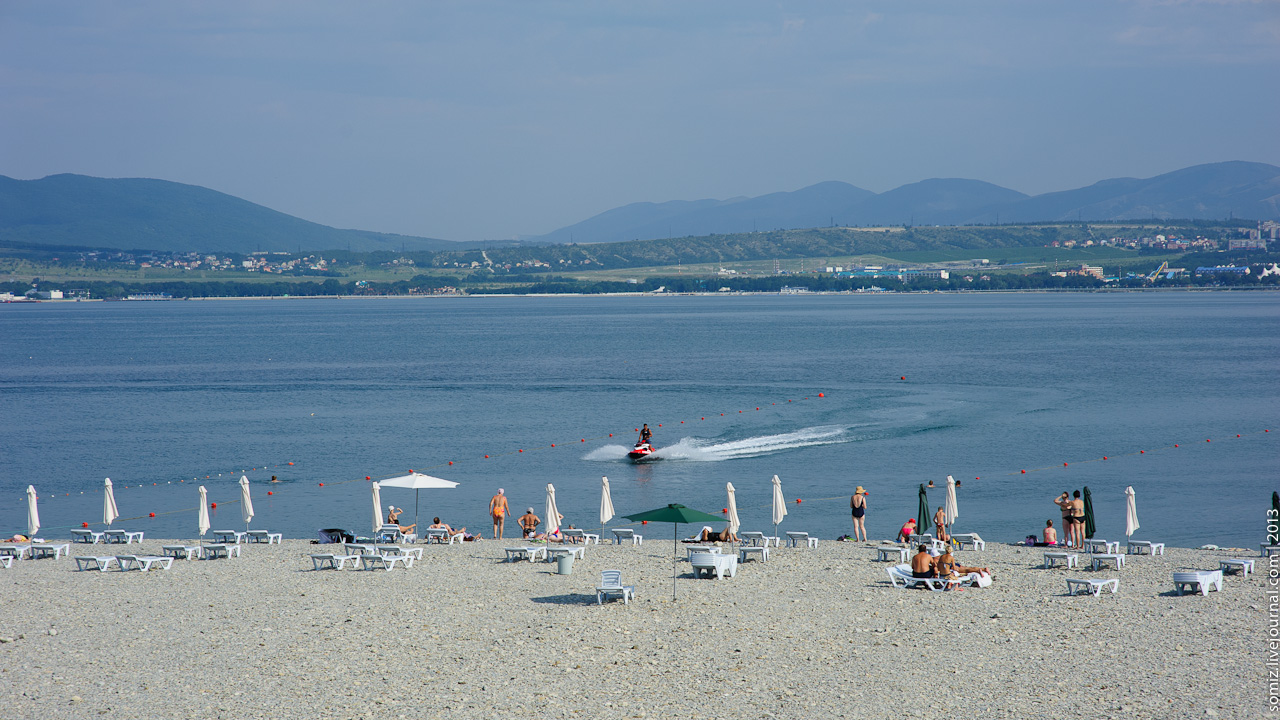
(393, 518)
(950, 568)
(437, 525)
(709, 535)
(923, 565)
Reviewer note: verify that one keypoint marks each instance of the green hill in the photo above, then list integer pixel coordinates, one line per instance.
(145, 214)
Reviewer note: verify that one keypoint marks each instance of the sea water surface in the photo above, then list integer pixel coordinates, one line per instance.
(827, 392)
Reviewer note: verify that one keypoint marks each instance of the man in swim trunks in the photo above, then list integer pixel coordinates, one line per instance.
(645, 434)
(498, 510)
(940, 519)
(858, 505)
(529, 523)
(922, 564)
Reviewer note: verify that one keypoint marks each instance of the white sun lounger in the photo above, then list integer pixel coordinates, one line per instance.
(121, 536)
(143, 562)
(180, 552)
(1103, 558)
(15, 551)
(89, 562)
(229, 537)
(437, 535)
(1069, 559)
(1244, 565)
(334, 561)
(901, 577)
(39, 550)
(795, 539)
(753, 537)
(1268, 550)
(691, 549)
(262, 536)
(973, 539)
(583, 536)
(620, 534)
(611, 584)
(891, 553)
(1200, 580)
(1093, 587)
(720, 564)
(1107, 546)
(87, 537)
(219, 550)
(747, 551)
(1141, 547)
(526, 553)
(386, 562)
(416, 552)
(578, 552)
(6, 561)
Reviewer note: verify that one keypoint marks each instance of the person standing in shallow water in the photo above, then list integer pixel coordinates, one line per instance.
(858, 505)
(498, 510)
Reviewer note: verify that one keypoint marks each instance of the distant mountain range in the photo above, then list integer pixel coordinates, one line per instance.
(145, 214)
(1203, 192)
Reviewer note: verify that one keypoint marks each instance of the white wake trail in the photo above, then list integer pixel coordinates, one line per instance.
(692, 449)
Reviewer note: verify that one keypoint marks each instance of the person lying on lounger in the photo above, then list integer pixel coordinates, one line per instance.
(708, 535)
(950, 568)
(923, 564)
(437, 525)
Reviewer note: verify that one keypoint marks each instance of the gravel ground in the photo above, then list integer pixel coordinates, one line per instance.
(810, 634)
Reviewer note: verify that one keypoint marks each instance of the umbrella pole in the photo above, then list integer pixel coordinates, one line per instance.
(675, 555)
(415, 511)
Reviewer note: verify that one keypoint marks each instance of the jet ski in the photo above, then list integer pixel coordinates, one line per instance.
(641, 452)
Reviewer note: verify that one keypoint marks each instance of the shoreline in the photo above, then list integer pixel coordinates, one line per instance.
(810, 633)
(736, 293)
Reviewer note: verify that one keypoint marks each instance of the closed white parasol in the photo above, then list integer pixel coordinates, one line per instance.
(109, 510)
(606, 501)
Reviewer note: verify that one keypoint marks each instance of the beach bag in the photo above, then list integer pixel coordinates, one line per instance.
(1031, 541)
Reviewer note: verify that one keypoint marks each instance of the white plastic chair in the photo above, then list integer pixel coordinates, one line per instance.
(611, 584)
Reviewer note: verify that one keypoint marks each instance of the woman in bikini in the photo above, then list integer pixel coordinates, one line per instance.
(1063, 501)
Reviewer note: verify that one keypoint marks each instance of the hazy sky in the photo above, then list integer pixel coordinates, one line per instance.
(482, 120)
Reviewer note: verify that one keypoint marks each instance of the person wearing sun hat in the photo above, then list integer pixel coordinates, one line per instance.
(858, 505)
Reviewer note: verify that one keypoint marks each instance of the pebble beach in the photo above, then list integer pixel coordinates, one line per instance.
(812, 633)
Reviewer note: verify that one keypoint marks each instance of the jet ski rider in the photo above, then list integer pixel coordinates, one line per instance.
(645, 434)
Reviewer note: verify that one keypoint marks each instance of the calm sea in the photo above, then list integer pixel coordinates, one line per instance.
(164, 396)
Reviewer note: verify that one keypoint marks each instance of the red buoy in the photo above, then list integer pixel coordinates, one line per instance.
(1142, 452)
(1207, 440)
(450, 462)
(213, 505)
(904, 377)
(723, 510)
(366, 477)
(152, 515)
(84, 524)
(1104, 457)
(486, 457)
(1175, 444)
(1024, 472)
(821, 395)
(520, 451)
(553, 444)
(1064, 464)
(798, 501)
(644, 522)
(321, 484)
(269, 492)
(290, 463)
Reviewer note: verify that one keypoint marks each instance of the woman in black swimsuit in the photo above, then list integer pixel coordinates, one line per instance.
(858, 504)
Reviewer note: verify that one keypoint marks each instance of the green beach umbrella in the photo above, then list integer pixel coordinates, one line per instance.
(1089, 527)
(922, 512)
(676, 514)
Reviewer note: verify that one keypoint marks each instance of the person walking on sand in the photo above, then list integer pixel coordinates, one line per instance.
(498, 510)
(858, 504)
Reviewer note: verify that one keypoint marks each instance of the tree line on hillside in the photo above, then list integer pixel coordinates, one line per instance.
(427, 284)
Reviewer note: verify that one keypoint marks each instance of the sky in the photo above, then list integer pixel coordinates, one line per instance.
(489, 120)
